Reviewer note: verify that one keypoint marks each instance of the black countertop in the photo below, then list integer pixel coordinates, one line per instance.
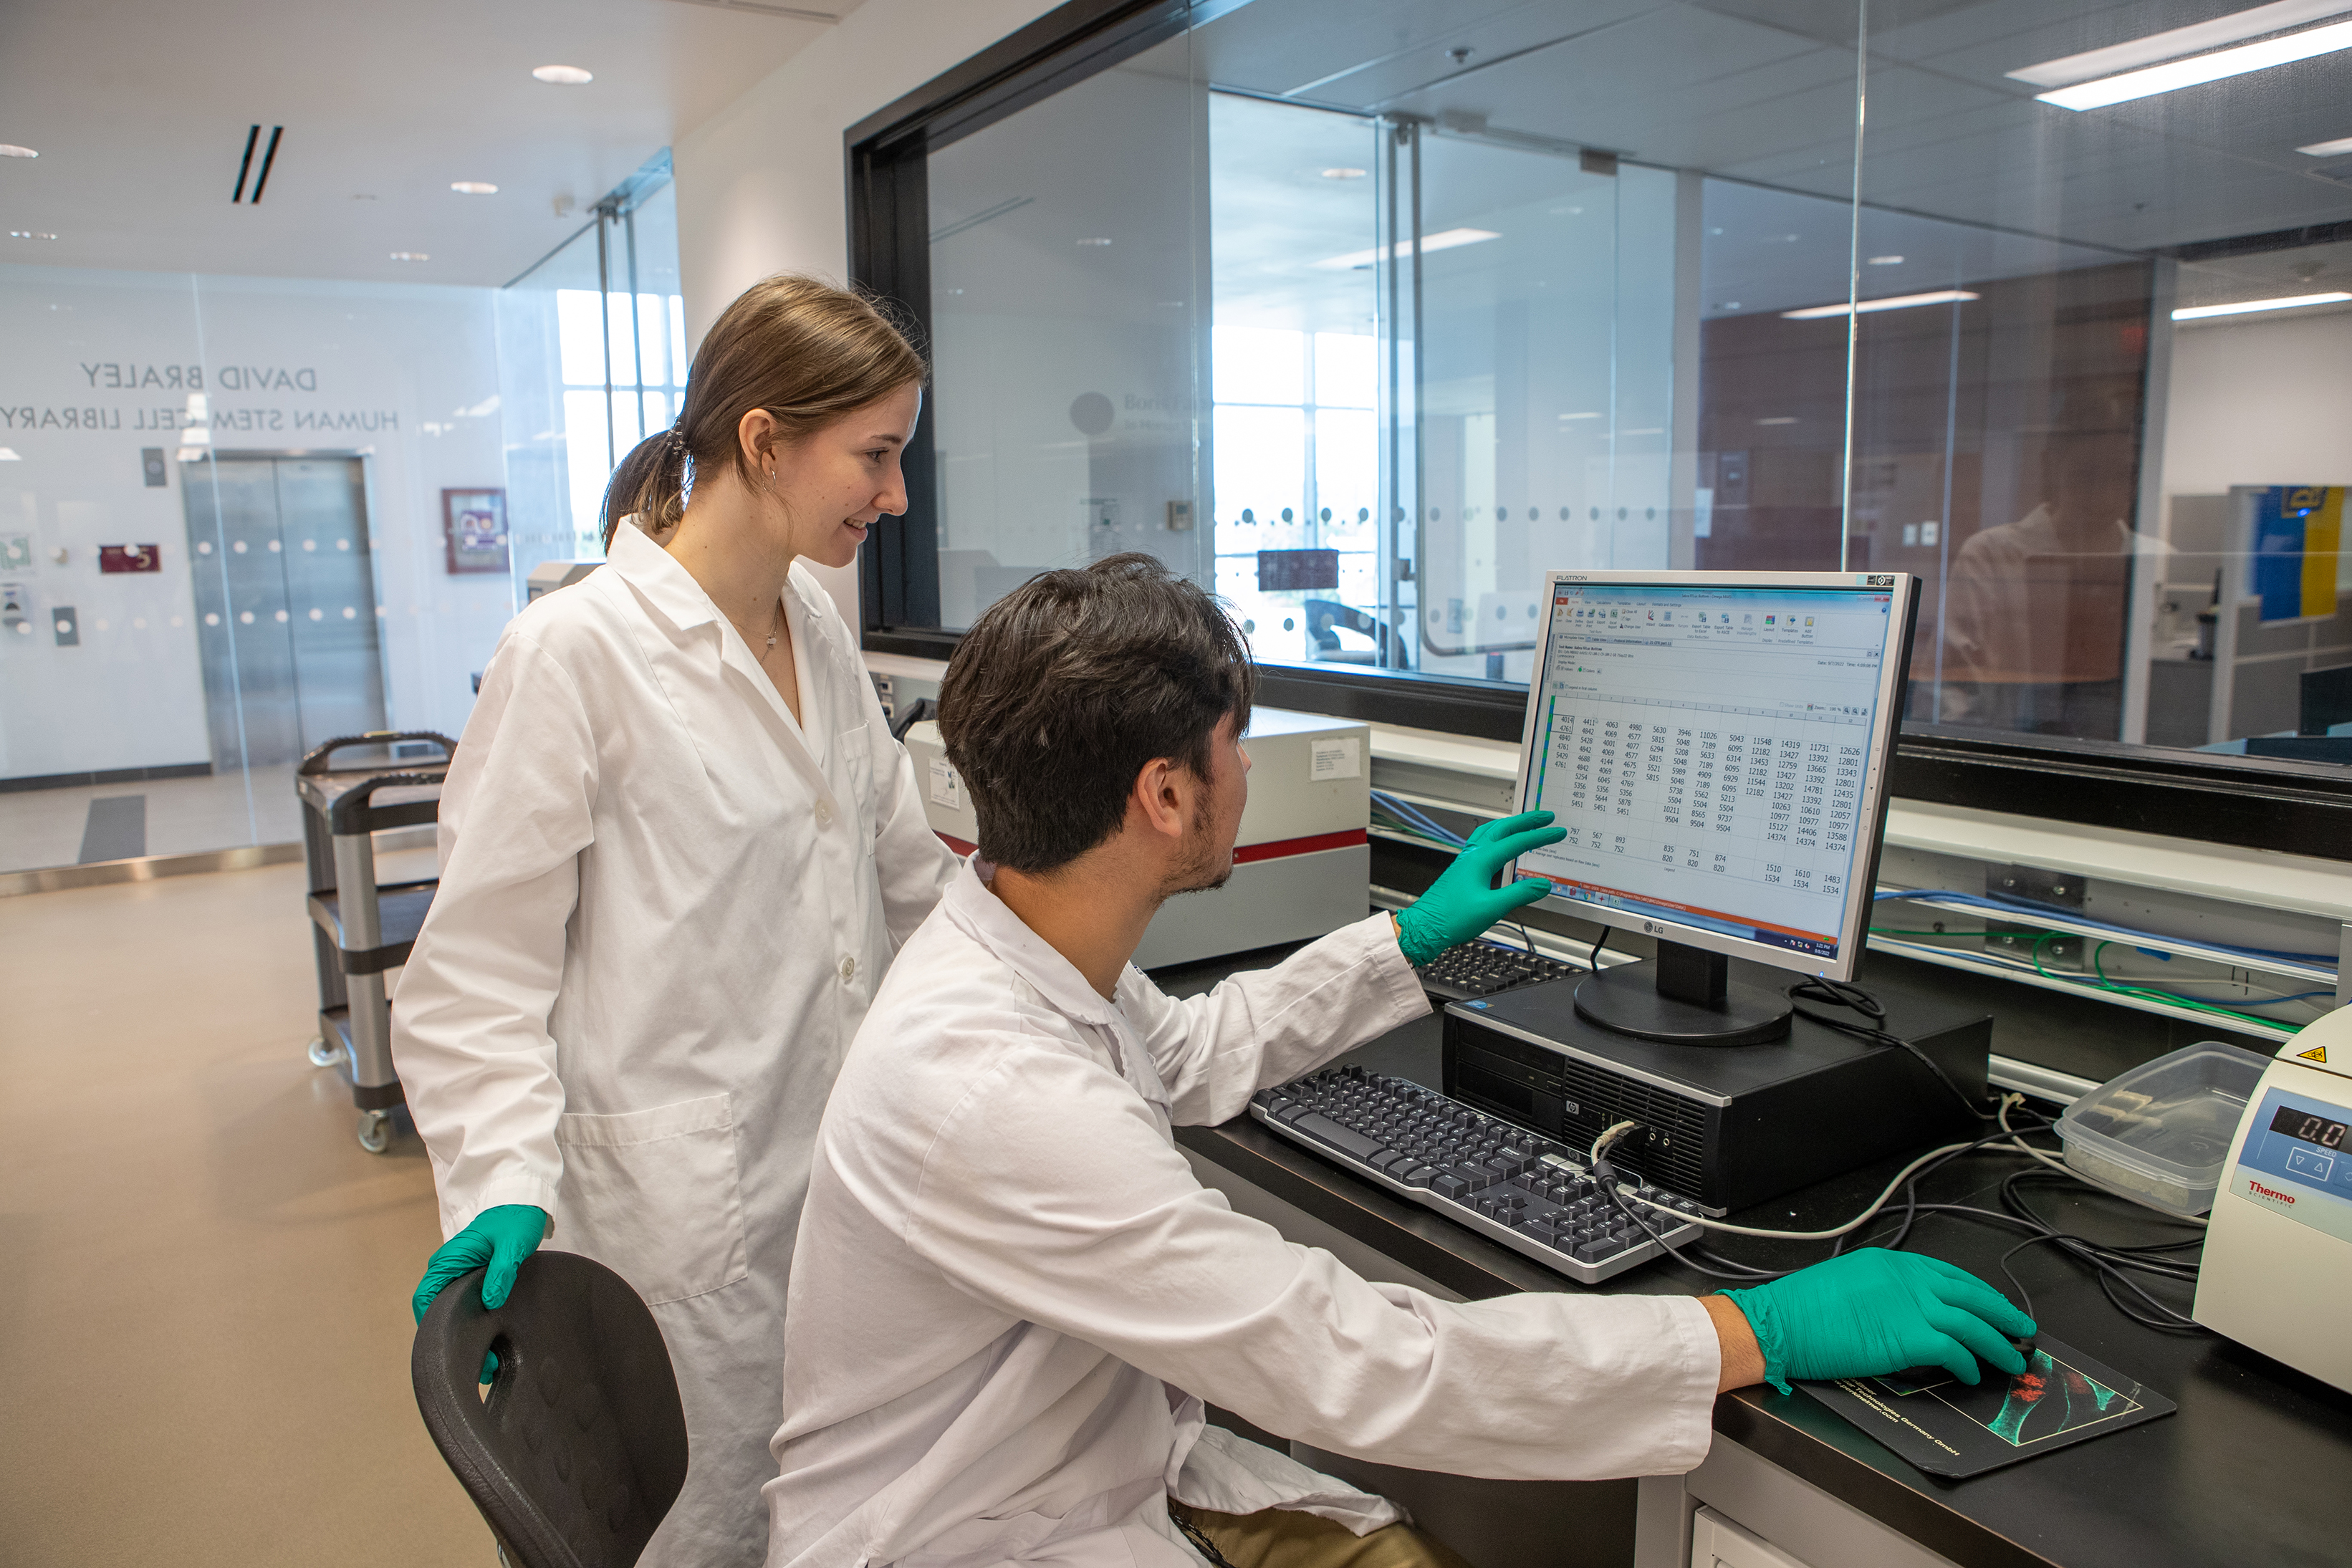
(2252, 1469)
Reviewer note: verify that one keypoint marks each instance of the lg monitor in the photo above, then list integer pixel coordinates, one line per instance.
(1717, 744)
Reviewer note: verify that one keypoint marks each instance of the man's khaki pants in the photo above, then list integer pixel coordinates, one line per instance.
(1279, 1538)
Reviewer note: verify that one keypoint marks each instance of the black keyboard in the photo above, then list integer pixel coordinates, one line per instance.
(1524, 1190)
(1483, 968)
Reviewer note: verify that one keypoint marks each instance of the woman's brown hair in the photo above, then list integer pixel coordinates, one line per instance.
(804, 350)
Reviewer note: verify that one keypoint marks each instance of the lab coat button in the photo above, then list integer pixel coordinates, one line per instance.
(825, 820)
(848, 969)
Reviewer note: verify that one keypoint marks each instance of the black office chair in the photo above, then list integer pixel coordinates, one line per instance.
(580, 1448)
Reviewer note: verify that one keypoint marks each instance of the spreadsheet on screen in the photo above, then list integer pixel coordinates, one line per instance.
(1705, 747)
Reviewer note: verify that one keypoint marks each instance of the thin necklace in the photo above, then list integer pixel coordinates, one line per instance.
(776, 626)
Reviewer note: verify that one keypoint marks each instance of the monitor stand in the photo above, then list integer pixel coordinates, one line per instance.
(1683, 996)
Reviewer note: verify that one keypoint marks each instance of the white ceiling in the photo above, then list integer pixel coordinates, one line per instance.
(140, 111)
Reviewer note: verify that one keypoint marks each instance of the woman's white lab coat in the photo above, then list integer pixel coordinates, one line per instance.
(663, 908)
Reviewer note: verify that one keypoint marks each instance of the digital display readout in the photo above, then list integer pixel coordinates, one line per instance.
(2304, 1127)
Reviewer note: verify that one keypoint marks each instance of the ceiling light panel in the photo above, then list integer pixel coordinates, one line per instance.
(1444, 239)
(2290, 302)
(2328, 149)
(563, 75)
(1886, 302)
(2156, 47)
(10, 149)
(2201, 68)
(474, 188)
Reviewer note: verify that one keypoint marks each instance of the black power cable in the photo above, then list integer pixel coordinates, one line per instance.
(1837, 994)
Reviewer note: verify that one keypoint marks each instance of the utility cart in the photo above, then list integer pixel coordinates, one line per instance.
(364, 928)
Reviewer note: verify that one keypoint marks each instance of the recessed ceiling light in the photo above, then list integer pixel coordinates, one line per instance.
(473, 187)
(1343, 174)
(2216, 66)
(1096, 239)
(1885, 261)
(30, 233)
(1593, 415)
(410, 255)
(1888, 302)
(1444, 239)
(2290, 302)
(10, 149)
(2328, 149)
(564, 75)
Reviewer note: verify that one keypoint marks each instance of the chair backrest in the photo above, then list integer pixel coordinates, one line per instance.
(580, 1448)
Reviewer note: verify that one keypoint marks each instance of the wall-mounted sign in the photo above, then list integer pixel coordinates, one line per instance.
(475, 524)
(129, 558)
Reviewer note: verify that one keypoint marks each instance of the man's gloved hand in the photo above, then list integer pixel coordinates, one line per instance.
(1872, 1312)
(500, 1239)
(1463, 901)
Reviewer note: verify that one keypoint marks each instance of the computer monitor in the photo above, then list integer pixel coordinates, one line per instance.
(1716, 744)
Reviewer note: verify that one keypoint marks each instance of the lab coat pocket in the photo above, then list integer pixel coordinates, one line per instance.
(655, 1194)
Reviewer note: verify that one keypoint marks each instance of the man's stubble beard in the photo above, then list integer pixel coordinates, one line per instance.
(1192, 874)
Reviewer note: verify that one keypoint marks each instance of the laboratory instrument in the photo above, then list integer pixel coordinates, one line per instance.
(1302, 856)
(2278, 1247)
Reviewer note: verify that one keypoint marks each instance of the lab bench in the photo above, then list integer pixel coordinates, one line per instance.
(2250, 1470)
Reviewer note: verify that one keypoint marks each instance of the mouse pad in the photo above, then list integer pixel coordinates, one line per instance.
(1948, 1428)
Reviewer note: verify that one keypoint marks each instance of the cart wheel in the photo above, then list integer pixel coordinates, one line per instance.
(324, 1055)
(375, 1131)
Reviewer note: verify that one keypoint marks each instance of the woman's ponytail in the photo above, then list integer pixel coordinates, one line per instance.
(806, 352)
(649, 484)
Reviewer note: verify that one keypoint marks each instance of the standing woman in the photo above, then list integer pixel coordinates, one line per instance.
(678, 848)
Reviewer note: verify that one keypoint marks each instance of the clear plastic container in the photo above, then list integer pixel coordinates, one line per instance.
(2163, 1129)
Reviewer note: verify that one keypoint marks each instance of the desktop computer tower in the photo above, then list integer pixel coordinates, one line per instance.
(1726, 1127)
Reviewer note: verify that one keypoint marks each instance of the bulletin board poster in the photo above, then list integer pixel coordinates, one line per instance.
(473, 522)
(2298, 531)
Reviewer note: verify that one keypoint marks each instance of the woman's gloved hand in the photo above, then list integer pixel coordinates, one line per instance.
(1463, 901)
(498, 1240)
(1872, 1312)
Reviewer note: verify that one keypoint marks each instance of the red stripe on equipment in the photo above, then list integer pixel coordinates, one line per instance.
(1244, 854)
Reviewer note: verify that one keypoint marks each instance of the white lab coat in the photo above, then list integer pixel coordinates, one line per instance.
(1011, 1294)
(663, 908)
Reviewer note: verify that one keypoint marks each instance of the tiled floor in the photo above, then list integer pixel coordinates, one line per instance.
(204, 1280)
(41, 828)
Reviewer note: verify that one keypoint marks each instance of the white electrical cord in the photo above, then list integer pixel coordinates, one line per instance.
(2016, 1144)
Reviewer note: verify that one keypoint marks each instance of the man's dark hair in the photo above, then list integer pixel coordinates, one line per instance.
(1065, 688)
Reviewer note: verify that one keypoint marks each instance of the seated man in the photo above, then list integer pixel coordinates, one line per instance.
(1011, 1295)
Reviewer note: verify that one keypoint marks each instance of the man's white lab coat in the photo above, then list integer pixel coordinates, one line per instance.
(663, 908)
(1012, 1295)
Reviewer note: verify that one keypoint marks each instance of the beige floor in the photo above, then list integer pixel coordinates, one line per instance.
(203, 1279)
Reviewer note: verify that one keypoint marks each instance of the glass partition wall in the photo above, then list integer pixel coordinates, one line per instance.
(300, 509)
(1370, 315)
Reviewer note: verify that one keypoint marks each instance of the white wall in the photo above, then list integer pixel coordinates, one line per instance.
(404, 375)
(761, 184)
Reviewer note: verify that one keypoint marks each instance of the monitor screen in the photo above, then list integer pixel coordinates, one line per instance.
(1715, 744)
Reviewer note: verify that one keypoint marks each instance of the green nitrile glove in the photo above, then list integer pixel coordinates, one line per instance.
(1872, 1312)
(1463, 901)
(499, 1239)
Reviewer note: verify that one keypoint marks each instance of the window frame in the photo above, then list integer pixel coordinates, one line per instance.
(2264, 803)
